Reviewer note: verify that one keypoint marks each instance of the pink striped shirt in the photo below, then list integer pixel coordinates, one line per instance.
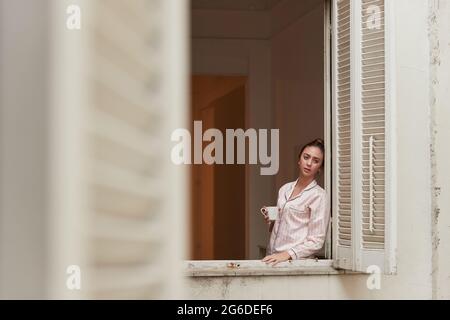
(303, 221)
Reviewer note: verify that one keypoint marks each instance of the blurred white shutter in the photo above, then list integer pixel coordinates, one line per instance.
(372, 218)
(136, 196)
(126, 94)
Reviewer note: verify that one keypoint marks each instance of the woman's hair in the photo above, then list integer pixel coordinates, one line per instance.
(315, 143)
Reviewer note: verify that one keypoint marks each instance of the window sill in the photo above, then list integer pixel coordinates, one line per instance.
(226, 268)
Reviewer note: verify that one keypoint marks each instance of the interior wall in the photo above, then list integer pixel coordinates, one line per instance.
(288, 12)
(207, 88)
(230, 24)
(298, 85)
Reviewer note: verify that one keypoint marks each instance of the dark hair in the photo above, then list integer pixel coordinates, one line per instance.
(315, 143)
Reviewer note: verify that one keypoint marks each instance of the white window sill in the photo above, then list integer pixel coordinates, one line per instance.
(221, 268)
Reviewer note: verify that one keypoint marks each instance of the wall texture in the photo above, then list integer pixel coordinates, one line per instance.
(439, 26)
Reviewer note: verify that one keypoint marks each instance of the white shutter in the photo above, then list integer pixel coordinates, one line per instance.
(376, 240)
(373, 223)
(132, 71)
(138, 98)
(342, 134)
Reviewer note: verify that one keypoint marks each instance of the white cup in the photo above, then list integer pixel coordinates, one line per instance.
(272, 213)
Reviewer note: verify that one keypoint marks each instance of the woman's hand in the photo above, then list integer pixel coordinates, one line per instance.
(266, 216)
(277, 258)
(264, 213)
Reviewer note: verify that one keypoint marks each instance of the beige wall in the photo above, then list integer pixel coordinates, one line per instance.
(439, 20)
(414, 185)
(23, 149)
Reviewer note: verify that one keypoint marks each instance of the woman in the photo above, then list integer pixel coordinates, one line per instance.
(301, 228)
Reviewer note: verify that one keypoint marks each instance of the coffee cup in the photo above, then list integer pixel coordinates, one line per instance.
(271, 212)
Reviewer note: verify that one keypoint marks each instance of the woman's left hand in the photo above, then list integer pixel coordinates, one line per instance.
(277, 258)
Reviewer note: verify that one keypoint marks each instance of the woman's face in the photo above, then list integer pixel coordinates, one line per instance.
(310, 162)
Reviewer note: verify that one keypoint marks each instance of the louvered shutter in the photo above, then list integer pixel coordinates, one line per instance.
(136, 197)
(372, 232)
(342, 131)
(131, 200)
(376, 239)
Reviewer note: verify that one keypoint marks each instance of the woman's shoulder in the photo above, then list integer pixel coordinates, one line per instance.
(319, 191)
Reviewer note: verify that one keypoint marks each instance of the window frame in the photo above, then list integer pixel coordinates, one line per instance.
(256, 268)
(207, 268)
(331, 265)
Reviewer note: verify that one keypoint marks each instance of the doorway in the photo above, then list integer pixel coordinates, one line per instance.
(218, 221)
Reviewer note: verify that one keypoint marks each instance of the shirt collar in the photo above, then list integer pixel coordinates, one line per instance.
(291, 189)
